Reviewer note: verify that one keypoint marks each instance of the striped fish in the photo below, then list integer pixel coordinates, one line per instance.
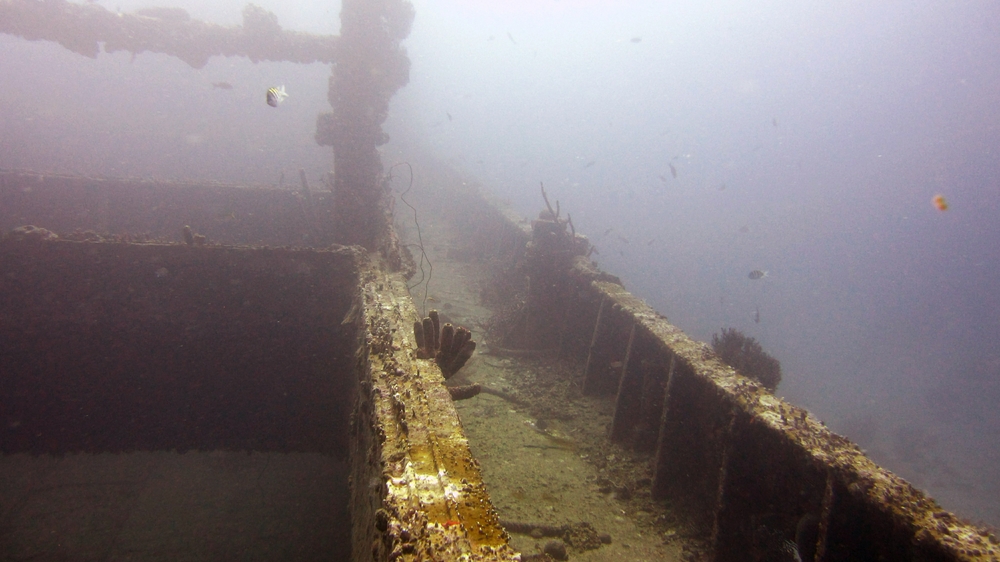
(790, 551)
(276, 96)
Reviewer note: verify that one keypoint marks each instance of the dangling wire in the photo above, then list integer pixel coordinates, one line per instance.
(420, 239)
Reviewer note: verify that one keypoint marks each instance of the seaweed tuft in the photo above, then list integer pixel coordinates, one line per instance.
(744, 354)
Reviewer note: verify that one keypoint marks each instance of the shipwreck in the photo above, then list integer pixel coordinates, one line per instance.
(137, 333)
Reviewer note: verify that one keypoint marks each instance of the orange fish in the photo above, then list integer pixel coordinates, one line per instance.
(940, 203)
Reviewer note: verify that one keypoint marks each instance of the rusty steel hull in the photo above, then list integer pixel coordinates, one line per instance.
(314, 346)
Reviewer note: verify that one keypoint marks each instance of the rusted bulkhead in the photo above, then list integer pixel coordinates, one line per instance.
(728, 453)
(116, 347)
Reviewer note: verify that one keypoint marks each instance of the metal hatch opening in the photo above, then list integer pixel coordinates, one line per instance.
(171, 398)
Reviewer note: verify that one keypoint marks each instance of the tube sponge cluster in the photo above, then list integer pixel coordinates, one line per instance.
(450, 347)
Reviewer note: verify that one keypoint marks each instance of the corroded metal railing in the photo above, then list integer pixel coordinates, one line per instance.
(727, 452)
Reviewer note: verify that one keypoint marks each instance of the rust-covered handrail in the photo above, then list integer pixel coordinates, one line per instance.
(739, 458)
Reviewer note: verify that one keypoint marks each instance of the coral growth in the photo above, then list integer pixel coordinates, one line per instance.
(30, 232)
(450, 347)
(464, 392)
(533, 295)
(747, 356)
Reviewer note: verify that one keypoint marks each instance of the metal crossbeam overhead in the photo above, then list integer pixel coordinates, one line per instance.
(82, 28)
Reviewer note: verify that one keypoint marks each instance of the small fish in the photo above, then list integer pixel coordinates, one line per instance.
(756, 316)
(491, 37)
(663, 178)
(757, 274)
(448, 114)
(744, 229)
(940, 202)
(673, 171)
(636, 39)
(276, 96)
(557, 439)
(608, 231)
(790, 551)
(722, 187)
(589, 164)
(222, 85)
(774, 121)
(651, 240)
(511, 37)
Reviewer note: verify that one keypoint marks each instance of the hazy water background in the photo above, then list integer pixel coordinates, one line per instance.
(831, 126)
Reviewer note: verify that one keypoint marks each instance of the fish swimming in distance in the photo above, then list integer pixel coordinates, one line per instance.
(756, 316)
(557, 439)
(940, 203)
(789, 551)
(222, 86)
(276, 96)
(673, 171)
(757, 274)
(636, 39)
